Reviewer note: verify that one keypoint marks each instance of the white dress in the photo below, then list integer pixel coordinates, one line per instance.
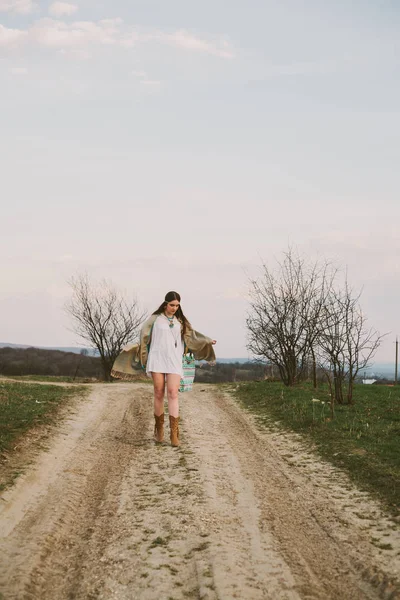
(166, 348)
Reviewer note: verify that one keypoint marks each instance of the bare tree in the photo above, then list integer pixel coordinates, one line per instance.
(332, 345)
(300, 315)
(284, 318)
(104, 318)
(346, 344)
(320, 284)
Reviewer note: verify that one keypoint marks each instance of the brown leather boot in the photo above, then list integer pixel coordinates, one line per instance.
(159, 428)
(174, 430)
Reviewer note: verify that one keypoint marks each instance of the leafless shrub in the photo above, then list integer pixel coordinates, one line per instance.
(284, 318)
(345, 343)
(104, 318)
(300, 315)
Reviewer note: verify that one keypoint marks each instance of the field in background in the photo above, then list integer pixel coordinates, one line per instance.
(54, 363)
(51, 378)
(364, 439)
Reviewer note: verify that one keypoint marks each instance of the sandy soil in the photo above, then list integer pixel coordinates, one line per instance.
(236, 512)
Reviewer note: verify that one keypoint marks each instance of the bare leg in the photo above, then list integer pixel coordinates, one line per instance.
(173, 382)
(159, 391)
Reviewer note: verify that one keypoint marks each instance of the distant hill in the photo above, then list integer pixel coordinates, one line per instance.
(40, 361)
(375, 370)
(61, 348)
(94, 352)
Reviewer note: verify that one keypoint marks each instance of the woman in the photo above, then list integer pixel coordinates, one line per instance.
(164, 338)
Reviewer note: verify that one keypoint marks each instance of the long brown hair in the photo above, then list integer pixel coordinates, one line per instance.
(179, 313)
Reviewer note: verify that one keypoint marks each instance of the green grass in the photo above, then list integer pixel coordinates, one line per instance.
(24, 405)
(66, 379)
(49, 378)
(363, 439)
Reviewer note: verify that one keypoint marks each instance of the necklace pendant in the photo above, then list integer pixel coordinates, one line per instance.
(171, 325)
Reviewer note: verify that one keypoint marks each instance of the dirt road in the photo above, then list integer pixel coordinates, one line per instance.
(236, 512)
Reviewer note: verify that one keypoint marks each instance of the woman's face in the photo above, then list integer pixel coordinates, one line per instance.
(172, 307)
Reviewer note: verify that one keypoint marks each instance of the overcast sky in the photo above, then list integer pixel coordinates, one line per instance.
(174, 144)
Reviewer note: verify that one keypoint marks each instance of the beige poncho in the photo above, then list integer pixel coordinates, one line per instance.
(134, 356)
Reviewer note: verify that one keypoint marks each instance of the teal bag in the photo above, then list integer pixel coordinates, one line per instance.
(189, 367)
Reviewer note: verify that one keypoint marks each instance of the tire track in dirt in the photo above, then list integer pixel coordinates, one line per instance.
(106, 513)
(286, 531)
(51, 514)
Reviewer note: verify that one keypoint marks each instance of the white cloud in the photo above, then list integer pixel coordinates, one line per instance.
(22, 7)
(11, 37)
(18, 70)
(60, 9)
(57, 34)
(187, 41)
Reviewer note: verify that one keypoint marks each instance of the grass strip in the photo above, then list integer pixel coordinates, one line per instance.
(363, 439)
(23, 406)
(51, 379)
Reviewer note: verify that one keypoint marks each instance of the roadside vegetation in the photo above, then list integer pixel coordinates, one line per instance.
(25, 407)
(55, 363)
(362, 438)
(36, 364)
(304, 317)
(104, 318)
(51, 378)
